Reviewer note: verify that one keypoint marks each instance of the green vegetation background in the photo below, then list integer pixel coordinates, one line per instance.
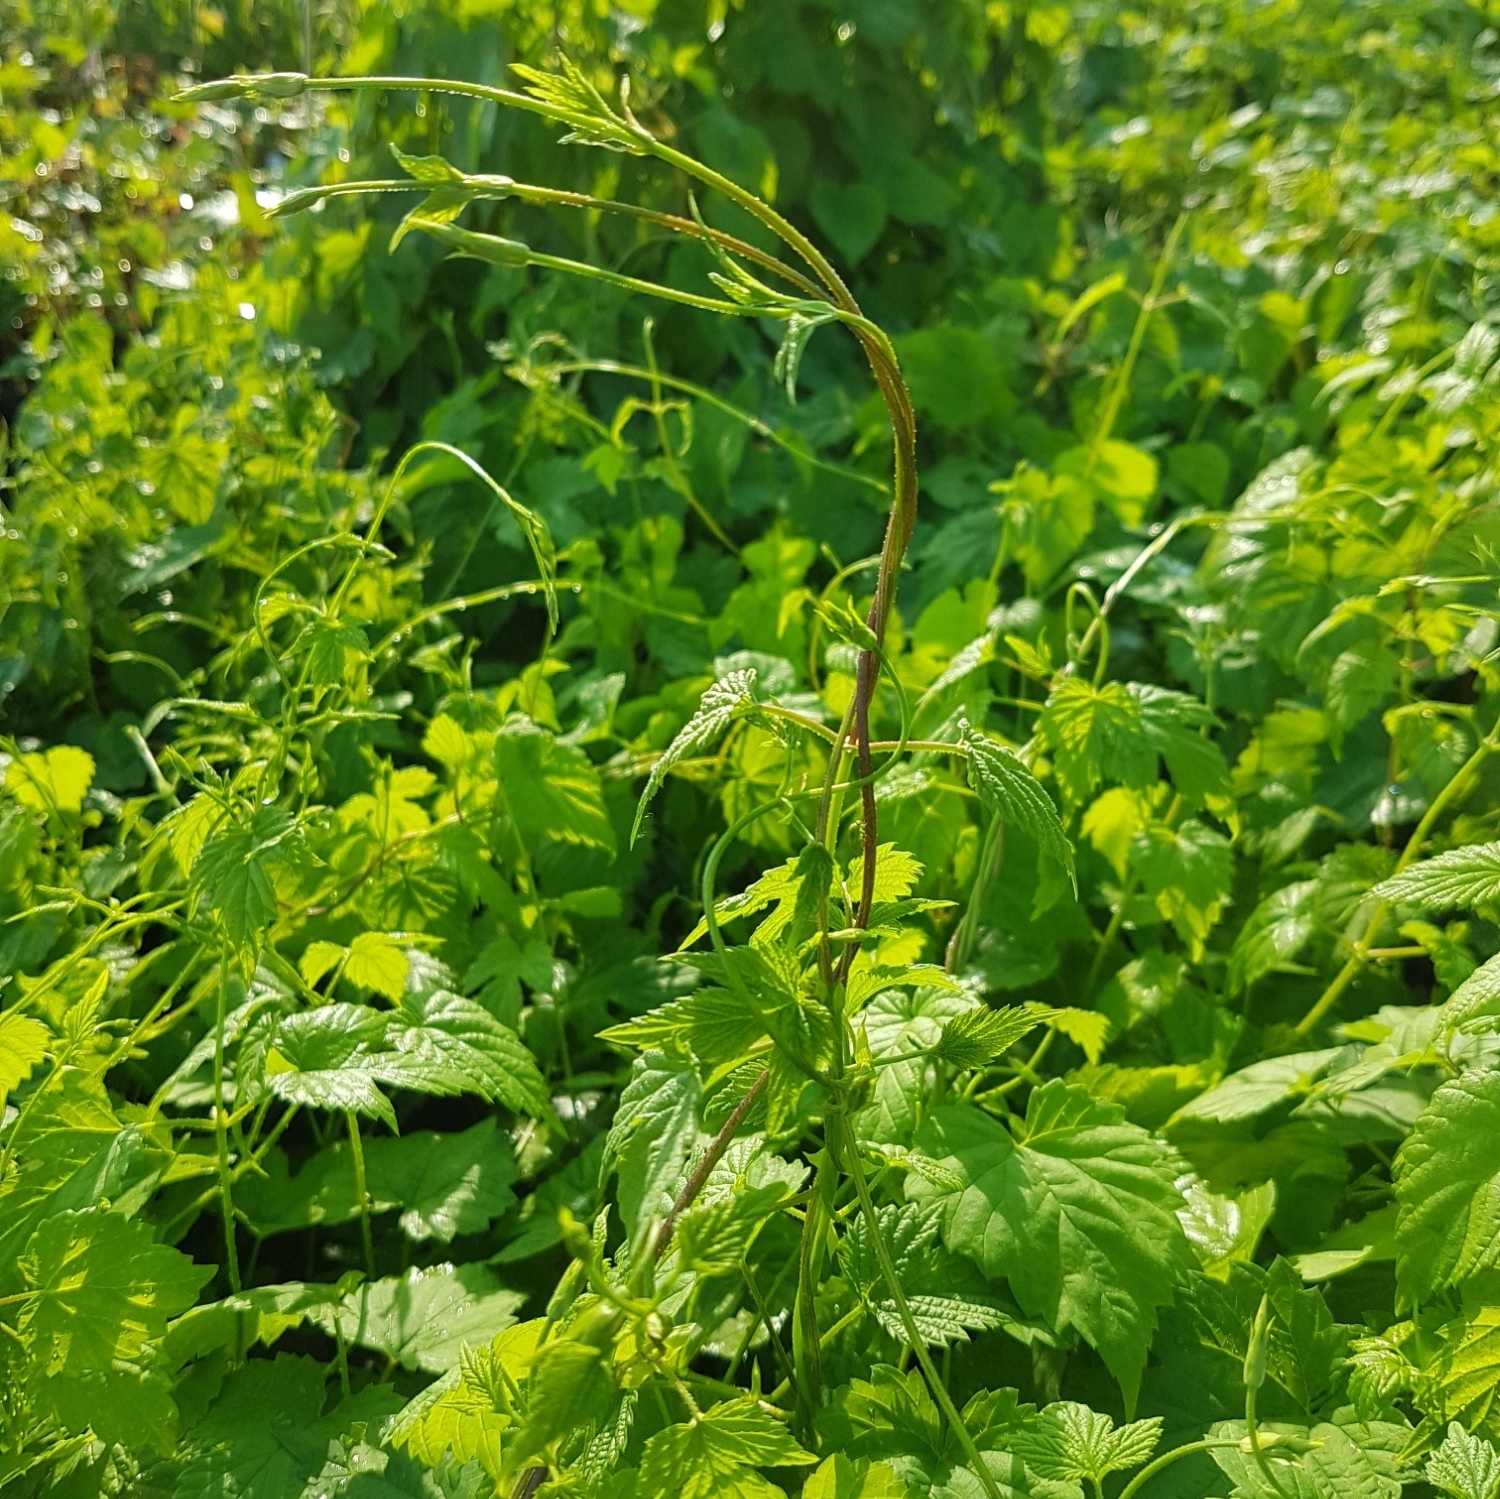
(1195, 304)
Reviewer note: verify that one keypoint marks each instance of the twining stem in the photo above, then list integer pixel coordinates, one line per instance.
(1208, 1444)
(361, 1192)
(849, 1148)
(709, 1159)
(626, 131)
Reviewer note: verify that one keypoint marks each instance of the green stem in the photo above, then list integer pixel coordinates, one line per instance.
(1208, 1444)
(1106, 423)
(221, 1126)
(991, 855)
(357, 1154)
(850, 1149)
(1459, 786)
(1112, 931)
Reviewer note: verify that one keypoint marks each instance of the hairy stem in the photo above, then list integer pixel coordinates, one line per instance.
(710, 1158)
(1136, 1484)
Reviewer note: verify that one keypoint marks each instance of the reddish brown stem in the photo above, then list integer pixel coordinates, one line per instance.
(711, 1158)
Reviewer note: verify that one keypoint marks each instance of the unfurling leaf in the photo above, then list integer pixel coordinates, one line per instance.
(976, 1037)
(719, 706)
(1009, 791)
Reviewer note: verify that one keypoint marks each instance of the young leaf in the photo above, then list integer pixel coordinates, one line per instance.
(571, 1385)
(1069, 1440)
(23, 1043)
(1009, 791)
(377, 962)
(699, 1459)
(234, 870)
(1464, 1467)
(725, 700)
(1078, 1211)
(840, 1477)
(976, 1037)
(54, 780)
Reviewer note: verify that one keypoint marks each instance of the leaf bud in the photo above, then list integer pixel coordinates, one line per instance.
(246, 86)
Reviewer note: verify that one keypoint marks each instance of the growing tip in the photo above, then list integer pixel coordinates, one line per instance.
(245, 86)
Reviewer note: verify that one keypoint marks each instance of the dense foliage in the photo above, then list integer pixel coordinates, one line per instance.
(569, 927)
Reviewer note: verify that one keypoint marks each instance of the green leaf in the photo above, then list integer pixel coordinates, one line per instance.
(328, 1058)
(1464, 1467)
(100, 1291)
(234, 871)
(1258, 1088)
(1466, 877)
(1078, 1211)
(720, 705)
(976, 1037)
(714, 1237)
(1174, 724)
(1009, 791)
(23, 1043)
(1086, 1029)
(695, 1460)
(443, 1184)
(54, 780)
(1275, 933)
(714, 1026)
(897, 1023)
(425, 1318)
(377, 962)
(851, 214)
(839, 1477)
(333, 651)
(445, 1044)
(654, 1131)
(1094, 733)
(1463, 1382)
(1123, 475)
(1327, 1462)
(266, 1436)
(1477, 997)
(1448, 1187)
(1068, 1440)
(943, 1308)
(1187, 871)
(551, 789)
